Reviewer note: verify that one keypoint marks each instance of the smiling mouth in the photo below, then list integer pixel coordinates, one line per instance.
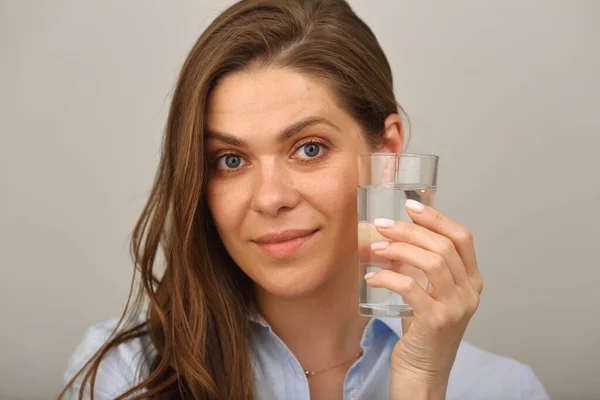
(284, 244)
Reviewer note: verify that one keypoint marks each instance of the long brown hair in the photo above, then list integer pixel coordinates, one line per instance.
(195, 314)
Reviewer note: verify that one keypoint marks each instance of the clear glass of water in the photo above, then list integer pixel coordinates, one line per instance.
(385, 182)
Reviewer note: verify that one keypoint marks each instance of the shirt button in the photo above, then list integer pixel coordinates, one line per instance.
(353, 394)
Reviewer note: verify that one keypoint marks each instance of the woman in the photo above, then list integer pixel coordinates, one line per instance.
(254, 208)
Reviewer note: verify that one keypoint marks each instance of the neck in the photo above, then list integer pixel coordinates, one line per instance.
(321, 328)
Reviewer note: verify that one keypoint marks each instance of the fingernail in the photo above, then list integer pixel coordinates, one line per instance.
(383, 222)
(379, 245)
(369, 275)
(414, 206)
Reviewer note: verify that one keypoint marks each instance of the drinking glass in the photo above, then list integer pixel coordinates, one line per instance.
(385, 182)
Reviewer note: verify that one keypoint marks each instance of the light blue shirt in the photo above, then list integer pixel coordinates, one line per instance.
(476, 374)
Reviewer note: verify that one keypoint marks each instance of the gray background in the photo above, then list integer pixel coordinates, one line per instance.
(506, 92)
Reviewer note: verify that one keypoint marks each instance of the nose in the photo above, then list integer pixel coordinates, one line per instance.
(274, 190)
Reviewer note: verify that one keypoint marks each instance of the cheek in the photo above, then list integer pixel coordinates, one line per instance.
(225, 202)
(335, 195)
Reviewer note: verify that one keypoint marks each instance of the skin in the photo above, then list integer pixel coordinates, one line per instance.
(262, 183)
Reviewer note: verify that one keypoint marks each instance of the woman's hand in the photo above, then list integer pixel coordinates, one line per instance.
(443, 249)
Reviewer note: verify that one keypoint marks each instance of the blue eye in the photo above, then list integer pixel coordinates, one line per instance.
(230, 161)
(310, 150)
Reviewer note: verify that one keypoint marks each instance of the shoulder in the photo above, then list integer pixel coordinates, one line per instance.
(119, 370)
(480, 374)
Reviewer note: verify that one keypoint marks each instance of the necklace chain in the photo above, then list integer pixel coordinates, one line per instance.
(310, 373)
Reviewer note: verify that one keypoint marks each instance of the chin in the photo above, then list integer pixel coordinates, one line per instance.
(307, 272)
(293, 281)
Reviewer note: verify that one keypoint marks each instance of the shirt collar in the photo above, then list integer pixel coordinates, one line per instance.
(258, 319)
(393, 324)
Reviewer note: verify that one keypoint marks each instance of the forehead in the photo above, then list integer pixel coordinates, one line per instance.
(267, 100)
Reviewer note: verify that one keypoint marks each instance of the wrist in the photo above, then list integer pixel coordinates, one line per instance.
(418, 394)
(417, 389)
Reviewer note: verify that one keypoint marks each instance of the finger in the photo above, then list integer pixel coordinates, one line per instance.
(412, 293)
(367, 234)
(437, 222)
(404, 231)
(432, 264)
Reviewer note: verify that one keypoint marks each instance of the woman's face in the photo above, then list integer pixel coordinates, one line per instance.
(282, 186)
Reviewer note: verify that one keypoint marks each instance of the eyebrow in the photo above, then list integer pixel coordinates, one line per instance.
(283, 136)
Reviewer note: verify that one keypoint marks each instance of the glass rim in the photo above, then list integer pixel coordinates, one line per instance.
(390, 154)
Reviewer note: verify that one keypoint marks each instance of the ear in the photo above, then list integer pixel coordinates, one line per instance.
(394, 135)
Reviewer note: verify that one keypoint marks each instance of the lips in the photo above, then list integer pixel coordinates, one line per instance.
(285, 243)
